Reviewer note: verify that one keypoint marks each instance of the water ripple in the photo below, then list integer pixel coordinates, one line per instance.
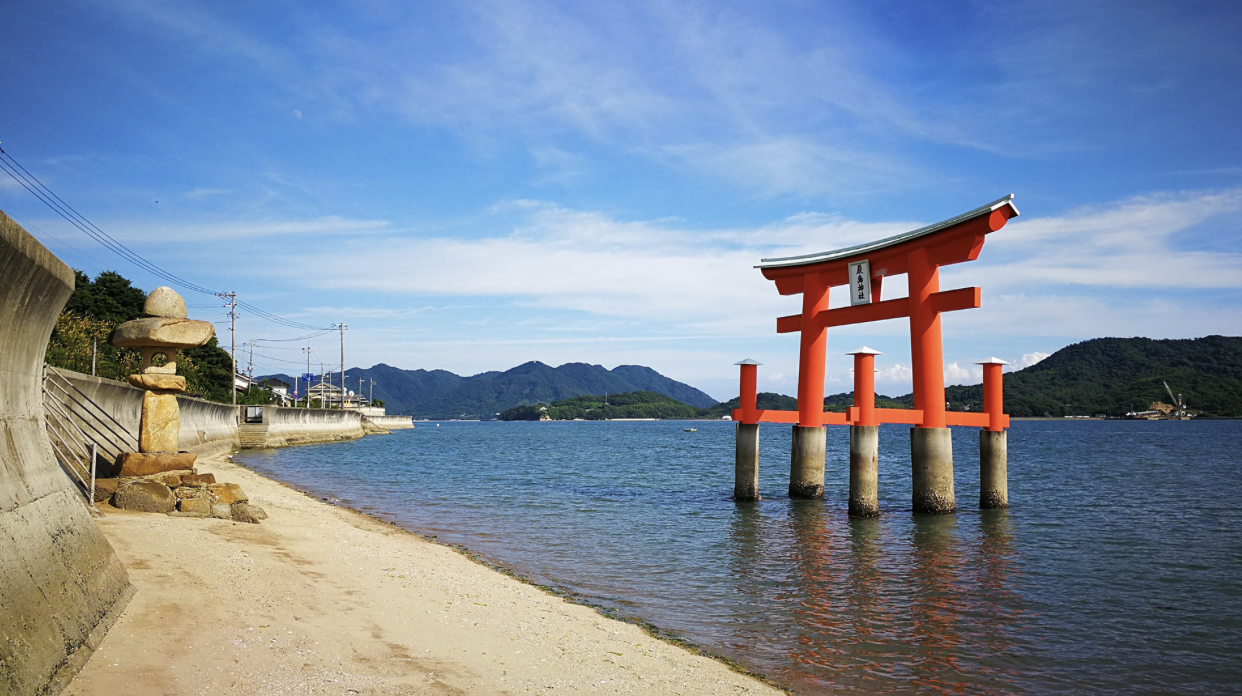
(1118, 569)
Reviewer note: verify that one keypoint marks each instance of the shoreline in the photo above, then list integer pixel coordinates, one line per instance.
(563, 593)
(325, 599)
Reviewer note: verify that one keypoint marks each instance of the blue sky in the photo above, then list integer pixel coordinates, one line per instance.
(473, 185)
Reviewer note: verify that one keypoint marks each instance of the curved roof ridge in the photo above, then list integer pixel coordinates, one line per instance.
(822, 256)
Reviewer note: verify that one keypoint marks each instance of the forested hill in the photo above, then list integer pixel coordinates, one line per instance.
(640, 404)
(1114, 375)
(442, 394)
(1109, 376)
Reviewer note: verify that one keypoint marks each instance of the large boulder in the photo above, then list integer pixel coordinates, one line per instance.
(164, 302)
(162, 332)
(245, 512)
(104, 488)
(145, 496)
(196, 506)
(193, 479)
(173, 383)
(227, 493)
(148, 463)
(160, 425)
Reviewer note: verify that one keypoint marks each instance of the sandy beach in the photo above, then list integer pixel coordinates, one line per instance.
(323, 600)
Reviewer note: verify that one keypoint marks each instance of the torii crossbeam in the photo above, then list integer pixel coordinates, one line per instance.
(919, 254)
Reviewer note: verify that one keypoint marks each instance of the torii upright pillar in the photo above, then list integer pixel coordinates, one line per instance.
(864, 438)
(993, 441)
(809, 438)
(931, 443)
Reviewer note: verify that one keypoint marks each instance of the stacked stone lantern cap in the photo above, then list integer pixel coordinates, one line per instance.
(159, 477)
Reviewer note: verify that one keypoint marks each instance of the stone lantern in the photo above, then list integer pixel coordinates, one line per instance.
(159, 334)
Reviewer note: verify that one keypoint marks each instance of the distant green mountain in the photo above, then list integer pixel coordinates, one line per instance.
(442, 394)
(639, 404)
(1112, 376)
(1108, 376)
(765, 400)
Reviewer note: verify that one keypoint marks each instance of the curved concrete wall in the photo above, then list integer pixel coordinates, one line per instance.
(300, 426)
(61, 585)
(206, 427)
(393, 422)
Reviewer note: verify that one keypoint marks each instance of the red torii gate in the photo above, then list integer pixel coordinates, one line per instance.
(918, 254)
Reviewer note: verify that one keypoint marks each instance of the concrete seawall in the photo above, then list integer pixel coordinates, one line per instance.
(392, 422)
(110, 411)
(206, 427)
(302, 426)
(61, 585)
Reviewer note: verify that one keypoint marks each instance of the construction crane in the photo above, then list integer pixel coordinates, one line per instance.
(1178, 402)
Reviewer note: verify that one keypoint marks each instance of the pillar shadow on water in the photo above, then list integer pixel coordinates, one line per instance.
(1000, 600)
(865, 578)
(936, 610)
(817, 586)
(960, 633)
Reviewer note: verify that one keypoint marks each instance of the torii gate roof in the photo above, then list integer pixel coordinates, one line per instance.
(869, 247)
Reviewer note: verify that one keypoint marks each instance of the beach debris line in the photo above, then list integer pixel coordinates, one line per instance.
(159, 477)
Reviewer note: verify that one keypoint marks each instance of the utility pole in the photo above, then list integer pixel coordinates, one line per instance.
(250, 367)
(372, 399)
(323, 392)
(341, 328)
(308, 374)
(94, 353)
(231, 303)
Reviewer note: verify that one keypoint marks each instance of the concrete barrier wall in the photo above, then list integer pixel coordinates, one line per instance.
(206, 427)
(300, 426)
(61, 585)
(393, 422)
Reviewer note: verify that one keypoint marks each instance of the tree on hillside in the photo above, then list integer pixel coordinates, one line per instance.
(109, 298)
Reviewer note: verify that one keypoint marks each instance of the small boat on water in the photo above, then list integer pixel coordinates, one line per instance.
(690, 430)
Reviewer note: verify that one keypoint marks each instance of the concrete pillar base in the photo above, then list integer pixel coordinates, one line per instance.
(931, 469)
(746, 463)
(806, 462)
(993, 469)
(864, 470)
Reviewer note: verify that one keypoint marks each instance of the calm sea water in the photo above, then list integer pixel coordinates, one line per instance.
(1117, 569)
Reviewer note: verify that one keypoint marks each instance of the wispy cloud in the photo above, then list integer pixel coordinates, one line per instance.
(1141, 242)
(327, 226)
(200, 193)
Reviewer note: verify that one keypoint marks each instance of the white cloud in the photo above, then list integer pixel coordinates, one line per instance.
(1029, 359)
(956, 374)
(1136, 243)
(897, 374)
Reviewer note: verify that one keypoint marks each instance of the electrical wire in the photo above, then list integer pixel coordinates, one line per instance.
(49, 198)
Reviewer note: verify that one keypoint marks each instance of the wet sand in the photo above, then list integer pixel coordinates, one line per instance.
(323, 600)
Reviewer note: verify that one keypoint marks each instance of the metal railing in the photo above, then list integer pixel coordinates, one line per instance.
(79, 429)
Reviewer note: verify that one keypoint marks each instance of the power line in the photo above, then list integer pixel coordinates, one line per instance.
(49, 198)
(299, 338)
